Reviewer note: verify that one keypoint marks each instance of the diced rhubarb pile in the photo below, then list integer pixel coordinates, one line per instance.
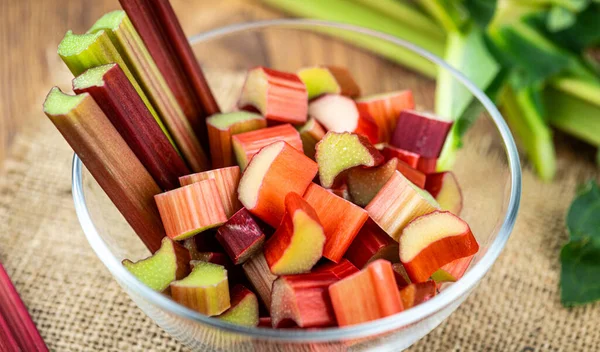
(322, 208)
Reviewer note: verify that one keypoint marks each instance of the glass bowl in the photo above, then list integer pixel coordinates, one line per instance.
(487, 167)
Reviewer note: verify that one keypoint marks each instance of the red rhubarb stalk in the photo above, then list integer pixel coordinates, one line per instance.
(110, 161)
(118, 99)
(19, 332)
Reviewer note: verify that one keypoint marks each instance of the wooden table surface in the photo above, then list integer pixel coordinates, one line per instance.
(30, 31)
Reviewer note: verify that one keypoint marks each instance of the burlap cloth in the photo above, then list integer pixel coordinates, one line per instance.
(77, 305)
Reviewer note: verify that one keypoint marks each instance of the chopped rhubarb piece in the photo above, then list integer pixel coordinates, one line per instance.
(427, 165)
(341, 220)
(189, 210)
(340, 270)
(311, 133)
(220, 129)
(246, 145)
(265, 322)
(348, 85)
(203, 243)
(303, 299)
(324, 80)
(244, 307)
(341, 191)
(400, 274)
(241, 236)
(279, 96)
(258, 273)
(226, 179)
(370, 244)
(432, 241)
(386, 108)
(452, 271)
(373, 294)
(169, 263)
(413, 175)
(235, 274)
(364, 183)
(397, 203)
(204, 290)
(420, 133)
(417, 293)
(444, 188)
(340, 114)
(338, 152)
(389, 152)
(297, 244)
(275, 171)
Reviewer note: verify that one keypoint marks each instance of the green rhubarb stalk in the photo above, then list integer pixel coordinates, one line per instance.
(578, 88)
(449, 14)
(574, 116)
(357, 14)
(525, 119)
(406, 14)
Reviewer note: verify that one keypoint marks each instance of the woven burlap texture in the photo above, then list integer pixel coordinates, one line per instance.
(77, 305)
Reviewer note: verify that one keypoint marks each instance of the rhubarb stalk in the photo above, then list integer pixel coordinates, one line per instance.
(205, 289)
(115, 95)
(17, 330)
(137, 58)
(81, 52)
(108, 158)
(158, 26)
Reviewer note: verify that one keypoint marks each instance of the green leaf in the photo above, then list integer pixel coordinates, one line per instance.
(559, 18)
(582, 34)
(580, 257)
(583, 220)
(481, 11)
(579, 282)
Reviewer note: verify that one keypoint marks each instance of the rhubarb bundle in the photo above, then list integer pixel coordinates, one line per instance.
(334, 195)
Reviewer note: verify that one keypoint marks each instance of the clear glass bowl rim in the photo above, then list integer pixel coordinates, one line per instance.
(413, 315)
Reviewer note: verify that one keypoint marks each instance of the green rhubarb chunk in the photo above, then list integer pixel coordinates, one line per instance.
(224, 121)
(318, 81)
(364, 184)
(338, 152)
(59, 103)
(158, 270)
(244, 309)
(203, 274)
